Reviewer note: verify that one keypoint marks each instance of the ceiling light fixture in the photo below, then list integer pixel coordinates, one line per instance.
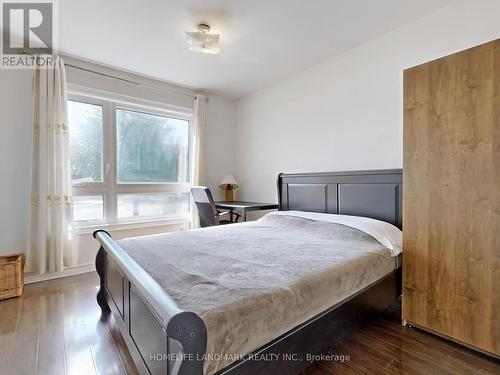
(202, 41)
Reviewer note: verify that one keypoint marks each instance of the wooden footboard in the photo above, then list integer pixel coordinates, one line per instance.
(161, 338)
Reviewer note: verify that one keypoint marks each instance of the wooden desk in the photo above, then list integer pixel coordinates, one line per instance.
(244, 207)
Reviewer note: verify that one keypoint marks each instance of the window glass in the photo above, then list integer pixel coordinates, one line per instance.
(86, 208)
(86, 142)
(161, 204)
(151, 148)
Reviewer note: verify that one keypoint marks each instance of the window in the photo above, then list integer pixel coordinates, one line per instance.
(155, 204)
(151, 148)
(88, 207)
(129, 163)
(86, 142)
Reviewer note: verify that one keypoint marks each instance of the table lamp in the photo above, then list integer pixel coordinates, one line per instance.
(228, 183)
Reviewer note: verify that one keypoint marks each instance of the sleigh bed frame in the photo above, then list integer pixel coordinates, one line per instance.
(164, 339)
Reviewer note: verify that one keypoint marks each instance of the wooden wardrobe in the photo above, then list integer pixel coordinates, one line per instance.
(451, 198)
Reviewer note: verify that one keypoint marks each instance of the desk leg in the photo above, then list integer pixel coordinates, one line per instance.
(231, 216)
(244, 215)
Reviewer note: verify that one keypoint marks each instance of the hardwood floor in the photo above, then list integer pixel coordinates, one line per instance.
(384, 346)
(56, 328)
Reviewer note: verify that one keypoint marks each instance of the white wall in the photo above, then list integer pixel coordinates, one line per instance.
(15, 161)
(15, 158)
(220, 150)
(346, 113)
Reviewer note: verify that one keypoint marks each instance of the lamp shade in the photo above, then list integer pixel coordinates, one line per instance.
(228, 180)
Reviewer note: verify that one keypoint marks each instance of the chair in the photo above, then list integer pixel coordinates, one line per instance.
(208, 212)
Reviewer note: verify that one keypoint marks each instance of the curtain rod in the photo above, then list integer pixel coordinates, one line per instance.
(129, 81)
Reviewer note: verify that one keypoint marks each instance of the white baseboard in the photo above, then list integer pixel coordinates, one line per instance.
(69, 271)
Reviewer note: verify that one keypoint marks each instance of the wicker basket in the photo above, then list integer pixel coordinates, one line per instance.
(11, 276)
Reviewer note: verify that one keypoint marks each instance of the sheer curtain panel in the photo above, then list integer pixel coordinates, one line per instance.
(198, 170)
(50, 245)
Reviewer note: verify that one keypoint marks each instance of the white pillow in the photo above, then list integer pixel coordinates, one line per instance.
(387, 234)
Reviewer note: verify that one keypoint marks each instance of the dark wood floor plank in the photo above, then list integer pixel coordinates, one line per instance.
(50, 317)
(481, 363)
(362, 364)
(399, 368)
(421, 338)
(334, 368)
(105, 355)
(27, 326)
(5, 348)
(51, 358)
(429, 356)
(30, 303)
(382, 360)
(79, 358)
(407, 360)
(23, 356)
(11, 311)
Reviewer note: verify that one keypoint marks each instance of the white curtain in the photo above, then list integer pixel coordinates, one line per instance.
(198, 170)
(50, 246)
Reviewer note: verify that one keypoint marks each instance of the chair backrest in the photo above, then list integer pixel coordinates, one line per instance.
(205, 205)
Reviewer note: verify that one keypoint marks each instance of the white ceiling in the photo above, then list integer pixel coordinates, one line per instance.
(262, 41)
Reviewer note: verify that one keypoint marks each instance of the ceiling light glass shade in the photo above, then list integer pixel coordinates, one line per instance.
(203, 42)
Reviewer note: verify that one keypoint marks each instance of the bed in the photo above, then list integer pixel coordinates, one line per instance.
(259, 297)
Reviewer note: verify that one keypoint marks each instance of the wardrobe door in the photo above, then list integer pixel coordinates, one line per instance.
(451, 198)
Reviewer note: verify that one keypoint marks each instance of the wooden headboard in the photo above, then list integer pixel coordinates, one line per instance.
(376, 194)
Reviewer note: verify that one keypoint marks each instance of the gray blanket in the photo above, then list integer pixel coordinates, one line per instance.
(254, 281)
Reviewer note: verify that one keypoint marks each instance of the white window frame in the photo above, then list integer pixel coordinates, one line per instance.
(110, 188)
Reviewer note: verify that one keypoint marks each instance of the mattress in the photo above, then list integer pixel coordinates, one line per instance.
(254, 281)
